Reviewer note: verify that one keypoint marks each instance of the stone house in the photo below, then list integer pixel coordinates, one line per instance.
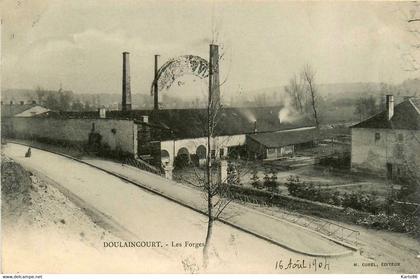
(388, 143)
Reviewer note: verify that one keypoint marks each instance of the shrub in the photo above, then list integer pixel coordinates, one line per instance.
(181, 161)
(336, 199)
(292, 184)
(355, 200)
(233, 175)
(255, 180)
(363, 202)
(266, 177)
(394, 222)
(270, 182)
(337, 160)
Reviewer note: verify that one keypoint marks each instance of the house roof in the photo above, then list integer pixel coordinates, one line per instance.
(9, 110)
(285, 138)
(191, 123)
(406, 116)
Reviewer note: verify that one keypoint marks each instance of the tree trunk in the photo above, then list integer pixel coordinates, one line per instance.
(311, 89)
(208, 236)
(208, 172)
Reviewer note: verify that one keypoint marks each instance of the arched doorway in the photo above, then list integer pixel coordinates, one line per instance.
(182, 158)
(164, 155)
(201, 154)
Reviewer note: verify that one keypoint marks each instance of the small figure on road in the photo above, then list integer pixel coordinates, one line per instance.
(28, 153)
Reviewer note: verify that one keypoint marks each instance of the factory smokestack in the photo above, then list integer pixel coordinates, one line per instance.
(214, 83)
(126, 88)
(156, 91)
(389, 106)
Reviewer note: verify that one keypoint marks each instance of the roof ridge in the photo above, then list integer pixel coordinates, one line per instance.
(414, 105)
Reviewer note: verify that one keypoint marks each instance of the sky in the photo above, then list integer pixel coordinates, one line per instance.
(79, 43)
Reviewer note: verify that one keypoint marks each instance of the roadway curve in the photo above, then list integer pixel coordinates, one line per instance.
(144, 215)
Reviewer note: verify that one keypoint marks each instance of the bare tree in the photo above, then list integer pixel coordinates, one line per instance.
(209, 181)
(410, 13)
(308, 77)
(215, 188)
(296, 92)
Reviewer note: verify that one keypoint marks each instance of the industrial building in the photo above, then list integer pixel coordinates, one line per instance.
(159, 136)
(280, 144)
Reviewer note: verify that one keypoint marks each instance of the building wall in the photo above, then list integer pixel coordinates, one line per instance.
(279, 152)
(260, 151)
(77, 131)
(256, 149)
(373, 149)
(222, 142)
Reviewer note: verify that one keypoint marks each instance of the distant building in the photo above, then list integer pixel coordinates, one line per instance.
(18, 110)
(22, 110)
(389, 142)
(280, 144)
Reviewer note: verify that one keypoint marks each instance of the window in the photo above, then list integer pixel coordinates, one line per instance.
(221, 152)
(399, 151)
(400, 137)
(377, 136)
(213, 154)
(271, 150)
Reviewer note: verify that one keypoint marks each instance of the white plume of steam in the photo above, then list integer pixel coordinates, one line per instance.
(287, 114)
(249, 115)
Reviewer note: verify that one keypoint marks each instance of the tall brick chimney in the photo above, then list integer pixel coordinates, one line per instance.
(214, 75)
(389, 106)
(156, 90)
(126, 88)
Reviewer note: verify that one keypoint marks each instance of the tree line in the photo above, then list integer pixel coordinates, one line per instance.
(64, 100)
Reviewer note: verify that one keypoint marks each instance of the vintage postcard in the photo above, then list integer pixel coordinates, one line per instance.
(208, 137)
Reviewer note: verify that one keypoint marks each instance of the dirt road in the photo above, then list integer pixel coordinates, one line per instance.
(139, 215)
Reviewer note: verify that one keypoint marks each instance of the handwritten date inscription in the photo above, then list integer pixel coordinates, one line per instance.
(300, 264)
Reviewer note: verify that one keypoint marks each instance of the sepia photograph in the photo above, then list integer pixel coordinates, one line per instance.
(210, 137)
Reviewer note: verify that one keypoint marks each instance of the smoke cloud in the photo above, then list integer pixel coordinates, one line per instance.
(287, 114)
(249, 115)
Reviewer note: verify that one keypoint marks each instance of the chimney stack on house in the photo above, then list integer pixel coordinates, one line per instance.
(255, 127)
(126, 88)
(389, 106)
